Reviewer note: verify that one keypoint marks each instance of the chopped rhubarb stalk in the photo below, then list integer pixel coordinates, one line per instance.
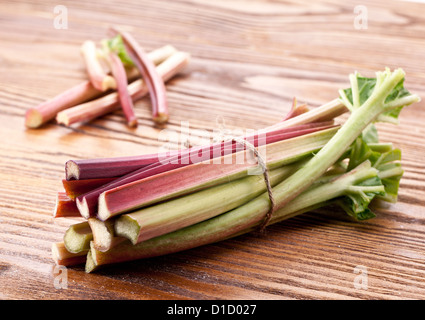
(78, 236)
(74, 188)
(103, 234)
(65, 206)
(63, 257)
(110, 103)
(46, 111)
(124, 97)
(152, 78)
(98, 77)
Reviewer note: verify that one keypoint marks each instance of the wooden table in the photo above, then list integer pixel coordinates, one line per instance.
(249, 59)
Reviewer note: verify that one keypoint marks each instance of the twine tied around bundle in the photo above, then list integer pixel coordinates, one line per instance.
(262, 163)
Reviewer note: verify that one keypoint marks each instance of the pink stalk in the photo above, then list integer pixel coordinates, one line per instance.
(125, 99)
(46, 111)
(65, 206)
(98, 77)
(153, 80)
(74, 188)
(110, 103)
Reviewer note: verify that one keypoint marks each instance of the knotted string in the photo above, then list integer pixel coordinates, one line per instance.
(263, 165)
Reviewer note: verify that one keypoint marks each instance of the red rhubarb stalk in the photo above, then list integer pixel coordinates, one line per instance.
(74, 188)
(125, 99)
(63, 257)
(46, 111)
(153, 80)
(98, 77)
(109, 103)
(65, 206)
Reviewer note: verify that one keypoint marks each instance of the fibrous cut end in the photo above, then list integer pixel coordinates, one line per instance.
(78, 237)
(128, 228)
(103, 211)
(72, 171)
(103, 233)
(161, 118)
(61, 256)
(33, 118)
(83, 207)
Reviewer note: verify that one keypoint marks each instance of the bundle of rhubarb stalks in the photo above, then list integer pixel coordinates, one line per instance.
(150, 205)
(120, 72)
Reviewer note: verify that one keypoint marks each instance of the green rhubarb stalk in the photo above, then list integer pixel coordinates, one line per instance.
(172, 215)
(78, 236)
(386, 95)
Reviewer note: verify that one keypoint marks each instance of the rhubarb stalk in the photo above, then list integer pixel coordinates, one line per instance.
(124, 97)
(46, 111)
(109, 103)
(204, 174)
(65, 206)
(172, 215)
(152, 78)
(78, 237)
(98, 77)
(63, 257)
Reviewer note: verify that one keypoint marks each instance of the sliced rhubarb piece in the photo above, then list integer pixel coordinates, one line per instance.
(98, 77)
(74, 188)
(65, 206)
(110, 103)
(78, 236)
(153, 80)
(46, 111)
(124, 97)
(63, 257)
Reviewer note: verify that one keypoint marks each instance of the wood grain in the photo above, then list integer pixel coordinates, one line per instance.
(249, 59)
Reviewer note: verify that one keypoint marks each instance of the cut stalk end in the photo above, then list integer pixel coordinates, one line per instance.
(128, 228)
(71, 170)
(33, 118)
(77, 238)
(103, 234)
(90, 263)
(108, 82)
(103, 213)
(161, 118)
(62, 118)
(83, 207)
(61, 256)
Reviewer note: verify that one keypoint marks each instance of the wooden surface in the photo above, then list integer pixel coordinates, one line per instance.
(249, 59)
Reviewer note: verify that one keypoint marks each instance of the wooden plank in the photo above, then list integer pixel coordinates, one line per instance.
(249, 59)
